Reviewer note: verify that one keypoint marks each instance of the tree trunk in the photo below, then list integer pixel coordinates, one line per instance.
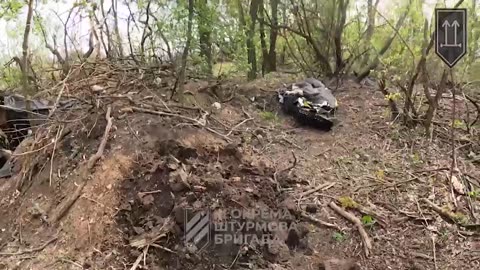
(340, 26)
(475, 35)
(283, 52)
(26, 35)
(107, 31)
(94, 42)
(250, 33)
(205, 33)
(252, 55)
(54, 50)
(181, 76)
(263, 42)
(370, 29)
(271, 64)
(116, 29)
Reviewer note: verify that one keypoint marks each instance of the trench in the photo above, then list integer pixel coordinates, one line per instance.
(16, 123)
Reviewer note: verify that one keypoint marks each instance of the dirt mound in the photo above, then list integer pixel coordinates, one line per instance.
(190, 177)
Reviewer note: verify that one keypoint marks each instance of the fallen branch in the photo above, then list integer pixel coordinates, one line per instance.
(194, 121)
(67, 203)
(440, 211)
(139, 258)
(40, 248)
(318, 221)
(275, 180)
(450, 215)
(367, 242)
(323, 186)
(149, 239)
(239, 124)
(291, 166)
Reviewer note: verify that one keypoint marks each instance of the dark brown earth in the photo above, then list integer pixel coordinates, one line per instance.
(155, 167)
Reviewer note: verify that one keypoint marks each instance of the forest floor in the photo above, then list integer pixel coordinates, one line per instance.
(162, 159)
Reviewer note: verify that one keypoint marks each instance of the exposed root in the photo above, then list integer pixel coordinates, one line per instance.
(367, 242)
(194, 121)
(37, 249)
(64, 206)
(318, 221)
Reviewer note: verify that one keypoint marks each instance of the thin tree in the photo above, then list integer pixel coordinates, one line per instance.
(181, 75)
(24, 66)
(271, 61)
(205, 32)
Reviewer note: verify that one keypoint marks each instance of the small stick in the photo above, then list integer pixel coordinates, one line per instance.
(318, 221)
(150, 192)
(439, 210)
(236, 257)
(138, 260)
(57, 137)
(454, 158)
(32, 151)
(434, 253)
(71, 262)
(293, 164)
(195, 121)
(163, 248)
(313, 190)
(237, 125)
(367, 242)
(433, 170)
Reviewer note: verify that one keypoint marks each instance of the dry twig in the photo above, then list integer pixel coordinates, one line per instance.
(318, 221)
(367, 242)
(194, 121)
(323, 186)
(40, 248)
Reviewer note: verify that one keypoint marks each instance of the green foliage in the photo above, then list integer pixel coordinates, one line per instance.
(224, 69)
(474, 194)
(380, 174)
(460, 124)
(416, 159)
(393, 96)
(368, 220)
(347, 202)
(9, 10)
(339, 237)
(38, 24)
(81, 3)
(10, 78)
(268, 116)
(460, 218)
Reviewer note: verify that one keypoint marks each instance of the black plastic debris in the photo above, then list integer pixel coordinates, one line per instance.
(310, 102)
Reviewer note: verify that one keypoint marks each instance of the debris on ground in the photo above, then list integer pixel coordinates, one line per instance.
(310, 102)
(113, 178)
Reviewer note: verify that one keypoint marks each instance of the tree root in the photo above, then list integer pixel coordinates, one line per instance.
(40, 248)
(367, 242)
(64, 206)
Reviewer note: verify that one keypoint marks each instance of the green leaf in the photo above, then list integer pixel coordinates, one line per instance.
(338, 236)
(368, 220)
